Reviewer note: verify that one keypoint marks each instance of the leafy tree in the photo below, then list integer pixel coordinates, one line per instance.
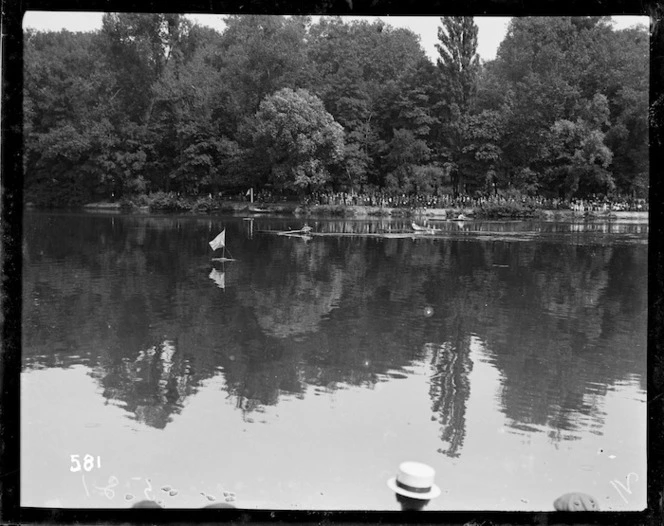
(67, 90)
(628, 101)
(153, 102)
(459, 68)
(459, 61)
(260, 55)
(120, 158)
(406, 154)
(302, 142)
(578, 158)
(355, 67)
(628, 140)
(550, 70)
(189, 119)
(406, 101)
(139, 46)
(406, 106)
(481, 155)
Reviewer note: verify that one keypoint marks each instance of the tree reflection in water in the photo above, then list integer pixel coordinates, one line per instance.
(561, 319)
(152, 386)
(449, 391)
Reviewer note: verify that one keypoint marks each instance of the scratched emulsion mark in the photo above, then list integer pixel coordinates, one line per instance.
(621, 488)
(229, 496)
(208, 497)
(109, 491)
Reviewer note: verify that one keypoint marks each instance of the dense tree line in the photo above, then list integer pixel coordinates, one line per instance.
(153, 102)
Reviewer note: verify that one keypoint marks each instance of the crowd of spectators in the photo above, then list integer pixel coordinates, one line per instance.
(597, 204)
(503, 203)
(387, 199)
(402, 200)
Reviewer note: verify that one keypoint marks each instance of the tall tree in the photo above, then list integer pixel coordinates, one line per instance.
(301, 140)
(459, 61)
(459, 67)
(139, 47)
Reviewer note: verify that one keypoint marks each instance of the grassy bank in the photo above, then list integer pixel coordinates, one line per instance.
(159, 203)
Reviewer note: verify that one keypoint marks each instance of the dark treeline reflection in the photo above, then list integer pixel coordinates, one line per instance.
(138, 300)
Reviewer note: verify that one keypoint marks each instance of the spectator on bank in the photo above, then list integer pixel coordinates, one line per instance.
(147, 504)
(414, 485)
(576, 501)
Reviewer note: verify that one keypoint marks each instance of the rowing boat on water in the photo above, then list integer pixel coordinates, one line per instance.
(306, 237)
(259, 210)
(460, 218)
(387, 235)
(424, 229)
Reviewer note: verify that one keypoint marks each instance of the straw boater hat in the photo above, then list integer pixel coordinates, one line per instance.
(414, 480)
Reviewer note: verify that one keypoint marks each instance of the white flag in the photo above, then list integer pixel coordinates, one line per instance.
(219, 241)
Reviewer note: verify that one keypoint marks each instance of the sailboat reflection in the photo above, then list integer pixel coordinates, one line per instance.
(219, 278)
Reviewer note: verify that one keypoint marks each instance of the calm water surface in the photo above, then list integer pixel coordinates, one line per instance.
(509, 356)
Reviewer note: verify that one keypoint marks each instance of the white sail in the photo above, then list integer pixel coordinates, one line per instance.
(219, 241)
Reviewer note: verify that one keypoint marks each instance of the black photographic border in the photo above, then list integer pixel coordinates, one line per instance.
(11, 210)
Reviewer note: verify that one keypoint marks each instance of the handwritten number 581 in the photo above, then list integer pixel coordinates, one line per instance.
(87, 465)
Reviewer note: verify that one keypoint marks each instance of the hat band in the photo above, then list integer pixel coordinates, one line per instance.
(413, 489)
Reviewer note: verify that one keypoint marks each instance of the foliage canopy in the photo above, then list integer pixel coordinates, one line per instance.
(153, 102)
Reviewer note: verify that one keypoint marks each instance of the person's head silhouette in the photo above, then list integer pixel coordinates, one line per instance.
(147, 504)
(414, 486)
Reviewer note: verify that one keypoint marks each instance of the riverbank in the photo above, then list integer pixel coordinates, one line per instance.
(362, 212)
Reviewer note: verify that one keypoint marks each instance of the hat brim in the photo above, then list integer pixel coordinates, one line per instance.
(431, 494)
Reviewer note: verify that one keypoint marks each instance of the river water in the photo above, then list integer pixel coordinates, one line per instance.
(510, 356)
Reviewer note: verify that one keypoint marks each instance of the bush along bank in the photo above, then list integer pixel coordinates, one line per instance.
(508, 210)
(171, 202)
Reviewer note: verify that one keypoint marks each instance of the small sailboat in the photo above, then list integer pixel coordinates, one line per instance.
(220, 242)
(305, 237)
